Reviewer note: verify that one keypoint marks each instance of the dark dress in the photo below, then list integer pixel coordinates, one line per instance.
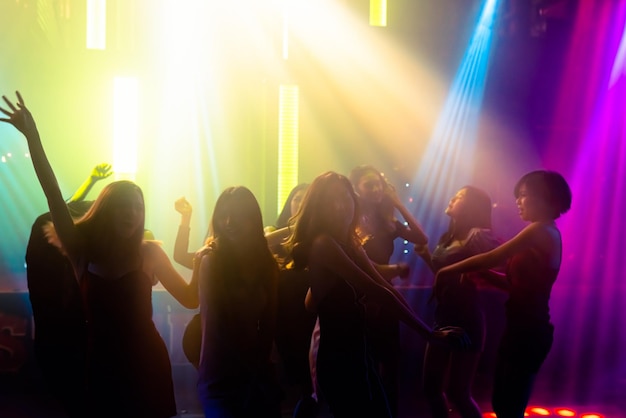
(294, 326)
(346, 373)
(528, 332)
(60, 330)
(129, 370)
(384, 328)
(236, 377)
(459, 303)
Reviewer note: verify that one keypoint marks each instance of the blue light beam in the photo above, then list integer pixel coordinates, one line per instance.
(447, 163)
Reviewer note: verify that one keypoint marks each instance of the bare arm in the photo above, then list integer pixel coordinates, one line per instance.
(330, 256)
(174, 283)
(99, 172)
(498, 255)
(424, 252)
(391, 271)
(277, 238)
(181, 245)
(20, 117)
(414, 232)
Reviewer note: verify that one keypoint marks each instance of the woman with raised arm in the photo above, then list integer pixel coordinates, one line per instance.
(192, 336)
(344, 285)
(533, 260)
(128, 367)
(378, 229)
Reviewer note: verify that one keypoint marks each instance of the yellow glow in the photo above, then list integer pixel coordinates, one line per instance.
(378, 12)
(96, 24)
(287, 141)
(540, 411)
(562, 412)
(125, 127)
(285, 13)
(384, 90)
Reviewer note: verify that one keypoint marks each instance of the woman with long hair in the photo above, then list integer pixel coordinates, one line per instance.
(378, 228)
(291, 206)
(345, 286)
(238, 291)
(128, 367)
(458, 304)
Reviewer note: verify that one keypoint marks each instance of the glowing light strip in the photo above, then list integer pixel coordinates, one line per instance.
(96, 24)
(378, 13)
(288, 120)
(125, 127)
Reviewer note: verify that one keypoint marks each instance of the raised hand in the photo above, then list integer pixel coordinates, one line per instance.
(18, 115)
(454, 337)
(100, 172)
(391, 195)
(183, 207)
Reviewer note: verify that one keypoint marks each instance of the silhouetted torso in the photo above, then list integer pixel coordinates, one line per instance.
(346, 372)
(129, 367)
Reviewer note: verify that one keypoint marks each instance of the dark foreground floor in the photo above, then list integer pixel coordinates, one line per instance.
(20, 399)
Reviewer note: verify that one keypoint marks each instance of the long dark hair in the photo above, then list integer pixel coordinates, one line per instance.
(228, 260)
(478, 213)
(313, 219)
(285, 213)
(383, 212)
(235, 296)
(96, 225)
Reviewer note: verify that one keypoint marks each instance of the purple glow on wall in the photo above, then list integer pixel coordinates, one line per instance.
(587, 360)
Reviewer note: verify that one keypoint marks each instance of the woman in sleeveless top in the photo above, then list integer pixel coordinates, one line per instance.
(238, 291)
(128, 368)
(448, 374)
(534, 260)
(378, 229)
(344, 287)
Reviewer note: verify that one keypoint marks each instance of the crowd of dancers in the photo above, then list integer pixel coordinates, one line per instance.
(316, 289)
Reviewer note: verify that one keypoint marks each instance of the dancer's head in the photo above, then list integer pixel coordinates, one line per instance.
(471, 207)
(116, 219)
(542, 195)
(292, 204)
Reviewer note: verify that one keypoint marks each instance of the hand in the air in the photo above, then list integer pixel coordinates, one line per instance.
(18, 115)
(101, 171)
(183, 207)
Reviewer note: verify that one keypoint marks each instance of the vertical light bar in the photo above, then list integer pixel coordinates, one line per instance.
(96, 24)
(288, 113)
(125, 127)
(378, 13)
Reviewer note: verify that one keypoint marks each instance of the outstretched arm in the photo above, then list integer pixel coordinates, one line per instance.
(424, 252)
(99, 172)
(174, 283)
(327, 253)
(19, 116)
(391, 271)
(498, 255)
(181, 255)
